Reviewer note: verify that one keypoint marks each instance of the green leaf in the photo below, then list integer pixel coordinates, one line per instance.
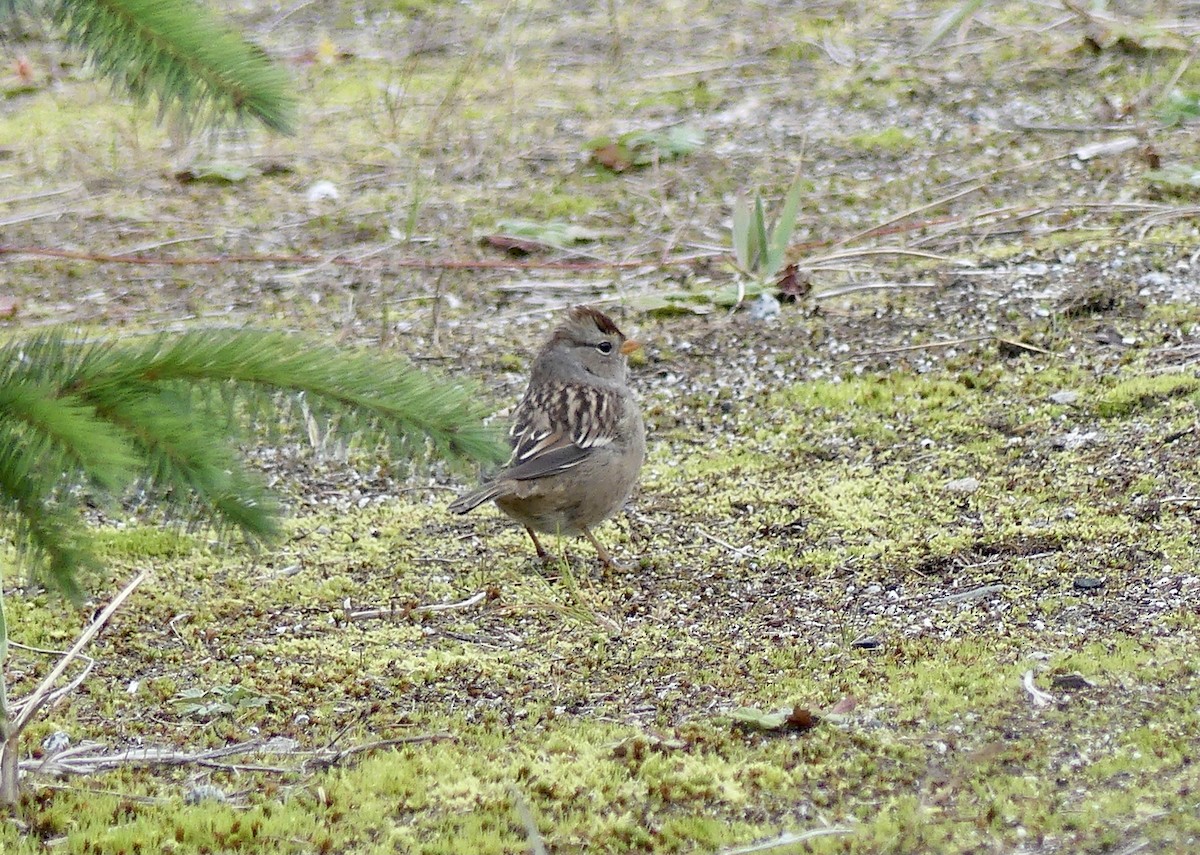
(682, 140)
(759, 719)
(1178, 108)
(1177, 176)
(642, 148)
(950, 20)
(730, 295)
(741, 232)
(553, 232)
(781, 235)
(760, 243)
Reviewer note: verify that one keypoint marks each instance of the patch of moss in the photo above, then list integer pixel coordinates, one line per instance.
(887, 140)
(1139, 393)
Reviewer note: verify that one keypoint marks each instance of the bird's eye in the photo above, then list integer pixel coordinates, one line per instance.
(604, 347)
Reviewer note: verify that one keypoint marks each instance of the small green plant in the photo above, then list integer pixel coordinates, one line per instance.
(204, 704)
(759, 248)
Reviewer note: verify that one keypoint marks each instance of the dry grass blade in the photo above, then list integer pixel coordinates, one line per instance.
(789, 838)
(40, 695)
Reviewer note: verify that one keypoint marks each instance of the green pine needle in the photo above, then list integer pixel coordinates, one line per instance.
(199, 68)
(105, 415)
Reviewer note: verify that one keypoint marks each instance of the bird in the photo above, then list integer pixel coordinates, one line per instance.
(577, 435)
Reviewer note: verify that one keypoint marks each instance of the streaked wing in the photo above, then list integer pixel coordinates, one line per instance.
(549, 462)
(557, 425)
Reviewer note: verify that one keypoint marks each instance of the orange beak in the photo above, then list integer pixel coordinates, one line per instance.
(630, 346)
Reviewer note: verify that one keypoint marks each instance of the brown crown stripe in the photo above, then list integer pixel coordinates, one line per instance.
(603, 322)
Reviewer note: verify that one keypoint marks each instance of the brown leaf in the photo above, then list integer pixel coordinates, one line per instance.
(792, 285)
(802, 719)
(615, 157)
(515, 245)
(24, 69)
(845, 705)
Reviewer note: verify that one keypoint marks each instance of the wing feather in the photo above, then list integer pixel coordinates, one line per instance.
(556, 426)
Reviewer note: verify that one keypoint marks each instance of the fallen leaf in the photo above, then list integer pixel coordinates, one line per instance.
(642, 148)
(514, 245)
(792, 286)
(845, 705)
(802, 719)
(797, 718)
(615, 157)
(1175, 176)
(215, 172)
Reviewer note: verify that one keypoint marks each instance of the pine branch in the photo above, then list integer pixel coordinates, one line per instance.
(48, 534)
(197, 67)
(188, 465)
(106, 415)
(81, 442)
(358, 388)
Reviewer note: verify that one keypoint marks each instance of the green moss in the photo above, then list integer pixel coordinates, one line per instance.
(548, 204)
(1137, 393)
(887, 140)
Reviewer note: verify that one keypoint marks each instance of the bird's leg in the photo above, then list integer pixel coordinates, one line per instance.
(608, 560)
(537, 544)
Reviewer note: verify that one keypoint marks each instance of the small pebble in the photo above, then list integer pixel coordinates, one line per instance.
(963, 486)
(1156, 278)
(204, 792)
(1075, 439)
(765, 308)
(55, 742)
(321, 190)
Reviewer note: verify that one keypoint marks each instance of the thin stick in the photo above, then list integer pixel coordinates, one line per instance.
(339, 756)
(342, 261)
(888, 250)
(873, 286)
(973, 594)
(537, 845)
(46, 194)
(788, 838)
(912, 212)
(738, 550)
(1021, 345)
(369, 614)
(34, 702)
(928, 346)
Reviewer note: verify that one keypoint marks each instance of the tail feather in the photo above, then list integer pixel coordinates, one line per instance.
(469, 502)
